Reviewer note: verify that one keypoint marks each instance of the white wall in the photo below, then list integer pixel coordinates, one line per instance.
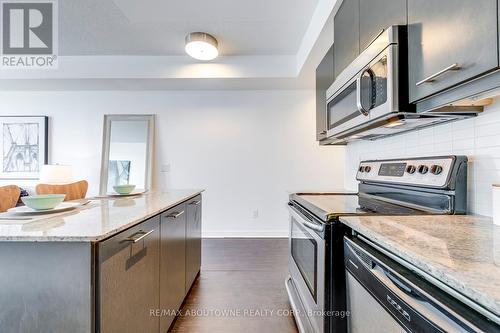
(246, 148)
(478, 138)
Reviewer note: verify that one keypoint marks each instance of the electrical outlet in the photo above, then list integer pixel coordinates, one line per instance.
(255, 214)
(165, 168)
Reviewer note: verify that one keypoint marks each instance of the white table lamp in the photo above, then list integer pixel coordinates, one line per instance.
(56, 174)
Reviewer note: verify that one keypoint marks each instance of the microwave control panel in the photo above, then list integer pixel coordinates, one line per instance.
(433, 172)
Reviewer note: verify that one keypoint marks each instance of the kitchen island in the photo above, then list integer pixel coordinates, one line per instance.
(458, 253)
(115, 265)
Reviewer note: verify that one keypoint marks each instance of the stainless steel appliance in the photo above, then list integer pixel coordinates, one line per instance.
(384, 296)
(316, 286)
(369, 99)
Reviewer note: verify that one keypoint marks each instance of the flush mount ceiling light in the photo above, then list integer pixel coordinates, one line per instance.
(201, 46)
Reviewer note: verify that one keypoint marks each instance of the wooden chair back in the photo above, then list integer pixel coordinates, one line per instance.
(73, 191)
(9, 196)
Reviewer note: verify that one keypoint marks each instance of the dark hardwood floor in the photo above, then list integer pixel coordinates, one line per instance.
(241, 288)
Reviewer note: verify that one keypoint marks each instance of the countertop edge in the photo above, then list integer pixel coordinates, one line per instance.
(98, 238)
(142, 219)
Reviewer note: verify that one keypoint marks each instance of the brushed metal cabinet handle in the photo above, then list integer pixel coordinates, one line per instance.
(432, 78)
(195, 203)
(175, 215)
(143, 235)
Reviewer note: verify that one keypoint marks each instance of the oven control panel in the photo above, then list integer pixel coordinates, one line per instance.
(432, 172)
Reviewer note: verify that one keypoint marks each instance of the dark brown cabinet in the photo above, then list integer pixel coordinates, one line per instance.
(449, 41)
(172, 263)
(324, 79)
(358, 22)
(193, 240)
(145, 272)
(109, 279)
(128, 279)
(346, 35)
(377, 15)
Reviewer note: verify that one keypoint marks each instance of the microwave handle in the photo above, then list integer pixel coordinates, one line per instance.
(359, 105)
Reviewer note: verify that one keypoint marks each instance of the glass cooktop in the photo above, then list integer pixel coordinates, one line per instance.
(328, 206)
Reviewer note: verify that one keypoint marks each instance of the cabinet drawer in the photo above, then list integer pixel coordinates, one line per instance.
(128, 279)
(172, 262)
(449, 42)
(117, 243)
(193, 240)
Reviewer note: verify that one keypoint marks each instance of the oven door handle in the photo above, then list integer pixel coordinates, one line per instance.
(303, 221)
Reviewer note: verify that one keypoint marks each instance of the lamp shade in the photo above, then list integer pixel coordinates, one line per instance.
(56, 174)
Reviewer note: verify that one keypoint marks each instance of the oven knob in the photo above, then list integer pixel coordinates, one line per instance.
(361, 169)
(423, 169)
(368, 168)
(411, 169)
(436, 169)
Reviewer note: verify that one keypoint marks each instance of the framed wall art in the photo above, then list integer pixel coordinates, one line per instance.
(24, 146)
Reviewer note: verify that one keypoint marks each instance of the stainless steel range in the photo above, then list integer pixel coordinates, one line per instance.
(414, 186)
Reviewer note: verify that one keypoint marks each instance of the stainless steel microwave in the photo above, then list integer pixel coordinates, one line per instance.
(369, 99)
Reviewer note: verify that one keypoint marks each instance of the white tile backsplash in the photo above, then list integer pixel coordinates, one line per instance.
(478, 138)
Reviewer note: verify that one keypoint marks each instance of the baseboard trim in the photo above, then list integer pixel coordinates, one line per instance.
(246, 234)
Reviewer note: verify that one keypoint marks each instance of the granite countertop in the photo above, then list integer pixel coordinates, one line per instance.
(462, 252)
(101, 219)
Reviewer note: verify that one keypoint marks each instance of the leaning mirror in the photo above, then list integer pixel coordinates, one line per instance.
(127, 152)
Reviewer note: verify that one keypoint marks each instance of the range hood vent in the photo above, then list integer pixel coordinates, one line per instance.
(399, 123)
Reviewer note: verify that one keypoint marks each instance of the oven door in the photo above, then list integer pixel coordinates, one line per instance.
(370, 94)
(307, 266)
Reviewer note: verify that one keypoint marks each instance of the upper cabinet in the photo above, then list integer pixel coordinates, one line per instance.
(377, 15)
(346, 35)
(358, 22)
(324, 79)
(449, 42)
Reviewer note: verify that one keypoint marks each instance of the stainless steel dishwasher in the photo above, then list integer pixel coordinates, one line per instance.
(384, 296)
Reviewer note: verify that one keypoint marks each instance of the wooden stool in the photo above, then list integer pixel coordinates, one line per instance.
(73, 191)
(9, 196)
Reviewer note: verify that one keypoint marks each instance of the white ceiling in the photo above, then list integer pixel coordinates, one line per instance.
(158, 27)
(139, 45)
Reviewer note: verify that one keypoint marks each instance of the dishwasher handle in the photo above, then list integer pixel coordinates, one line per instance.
(383, 275)
(397, 283)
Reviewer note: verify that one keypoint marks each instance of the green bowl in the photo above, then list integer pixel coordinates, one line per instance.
(44, 201)
(124, 189)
